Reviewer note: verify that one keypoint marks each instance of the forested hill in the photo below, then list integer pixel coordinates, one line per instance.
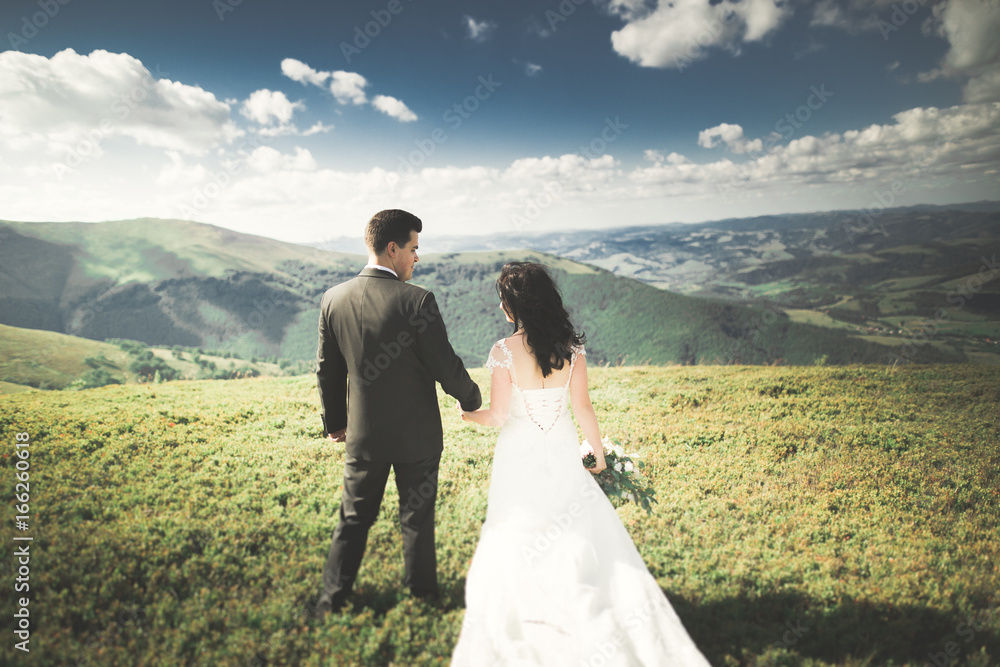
(169, 282)
(629, 322)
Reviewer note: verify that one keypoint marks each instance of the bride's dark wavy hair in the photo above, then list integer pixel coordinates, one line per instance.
(532, 300)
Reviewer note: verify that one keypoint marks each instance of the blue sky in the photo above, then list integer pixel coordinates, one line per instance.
(298, 120)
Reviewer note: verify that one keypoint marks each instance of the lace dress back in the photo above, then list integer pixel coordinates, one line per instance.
(543, 406)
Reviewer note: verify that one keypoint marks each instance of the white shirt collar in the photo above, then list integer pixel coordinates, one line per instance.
(384, 268)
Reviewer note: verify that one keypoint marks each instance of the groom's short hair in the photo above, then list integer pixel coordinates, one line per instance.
(390, 225)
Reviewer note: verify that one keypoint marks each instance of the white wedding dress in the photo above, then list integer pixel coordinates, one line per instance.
(556, 579)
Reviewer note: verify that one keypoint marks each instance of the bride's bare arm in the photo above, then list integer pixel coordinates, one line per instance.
(496, 413)
(583, 410)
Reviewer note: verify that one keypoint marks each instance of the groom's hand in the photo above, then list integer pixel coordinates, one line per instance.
(339, 436)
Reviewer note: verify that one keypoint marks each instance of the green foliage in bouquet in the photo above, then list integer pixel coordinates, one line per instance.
(621, 481)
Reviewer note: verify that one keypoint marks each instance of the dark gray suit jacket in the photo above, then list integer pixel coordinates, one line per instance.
(388, 337)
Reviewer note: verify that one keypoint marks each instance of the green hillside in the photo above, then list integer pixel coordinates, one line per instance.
(188, 523)
(30, 358)
(164, 282)
(49, 360)
(628, 322)
(151, 249)
(174, 283)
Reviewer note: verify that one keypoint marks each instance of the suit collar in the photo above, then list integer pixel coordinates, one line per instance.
(376, 273)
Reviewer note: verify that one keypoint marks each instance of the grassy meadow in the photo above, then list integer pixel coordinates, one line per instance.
(188, 522)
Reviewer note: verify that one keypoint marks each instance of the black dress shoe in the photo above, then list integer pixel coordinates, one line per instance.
(319, 610)
(425, 595)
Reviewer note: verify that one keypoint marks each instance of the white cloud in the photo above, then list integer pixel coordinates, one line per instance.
(851, 15)
(932, 152)
(971, 28)
(179, 173)
(316, 128)
(572, 170)
(948, 154)
(265, 106)
(973, 56)
(266, 160)
(922, 146)
(535, 27)
(394, 108)
(478, 31)
(57, 101)
(983, 88)
(675, 33)
(296, 70)
(731, 136)
(349, 87)
(532, 69)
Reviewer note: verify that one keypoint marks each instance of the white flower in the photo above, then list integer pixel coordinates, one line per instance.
(618, 466)
(628, 466)
(619, 451)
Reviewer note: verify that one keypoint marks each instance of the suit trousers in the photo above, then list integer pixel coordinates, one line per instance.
(364, 486)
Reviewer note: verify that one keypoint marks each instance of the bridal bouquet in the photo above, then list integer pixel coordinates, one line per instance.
(621, 481)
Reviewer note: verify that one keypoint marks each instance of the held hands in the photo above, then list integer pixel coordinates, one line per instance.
(481, 417)
(338, 436)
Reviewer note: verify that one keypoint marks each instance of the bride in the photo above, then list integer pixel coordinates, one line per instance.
(555, 579)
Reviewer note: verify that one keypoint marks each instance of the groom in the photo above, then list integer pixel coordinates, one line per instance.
(382, 347)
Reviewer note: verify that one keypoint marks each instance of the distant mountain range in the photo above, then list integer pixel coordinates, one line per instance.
(889, 275)
(169, 282)
(711, 257)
